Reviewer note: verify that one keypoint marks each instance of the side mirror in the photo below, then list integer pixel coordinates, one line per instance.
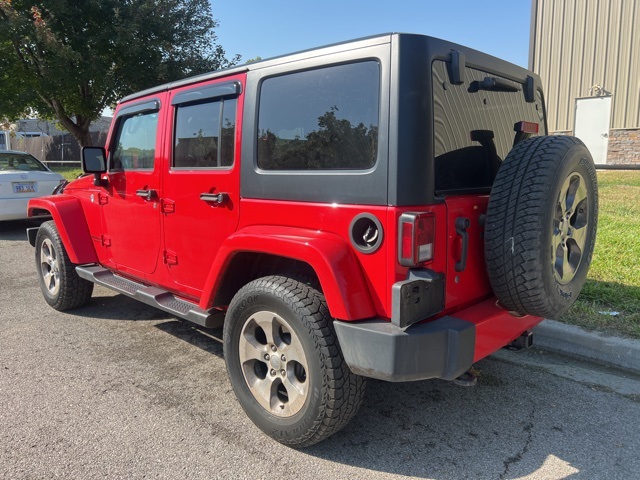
(94, 161)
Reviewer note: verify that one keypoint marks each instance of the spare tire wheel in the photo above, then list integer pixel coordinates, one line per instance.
(541, 225)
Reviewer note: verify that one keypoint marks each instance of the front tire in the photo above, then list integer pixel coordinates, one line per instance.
(285, 364)
(61, 286)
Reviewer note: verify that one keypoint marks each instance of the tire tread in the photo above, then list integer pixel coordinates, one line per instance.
(515, 219)
(342, 390)
(74, 291)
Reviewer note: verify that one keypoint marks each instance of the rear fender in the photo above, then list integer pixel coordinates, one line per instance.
(333, 261)
(68, 215)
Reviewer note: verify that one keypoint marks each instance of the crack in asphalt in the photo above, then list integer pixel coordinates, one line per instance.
(528, 428)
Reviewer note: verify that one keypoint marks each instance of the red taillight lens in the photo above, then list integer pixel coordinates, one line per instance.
(406, 244)
(416, 238)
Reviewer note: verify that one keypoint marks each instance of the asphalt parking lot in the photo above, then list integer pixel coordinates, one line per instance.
(120, 390)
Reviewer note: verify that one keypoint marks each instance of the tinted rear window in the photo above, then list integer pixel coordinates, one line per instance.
(474, 128)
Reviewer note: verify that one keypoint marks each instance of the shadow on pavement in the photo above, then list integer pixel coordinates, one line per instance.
(122, 308)
(209, 340)
(16, 229)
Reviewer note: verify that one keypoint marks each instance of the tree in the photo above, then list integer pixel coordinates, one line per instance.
(69, 59)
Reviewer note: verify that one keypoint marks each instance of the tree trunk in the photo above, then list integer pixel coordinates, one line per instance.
(79, 129)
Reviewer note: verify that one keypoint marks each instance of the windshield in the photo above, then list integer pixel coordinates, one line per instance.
(21, 162)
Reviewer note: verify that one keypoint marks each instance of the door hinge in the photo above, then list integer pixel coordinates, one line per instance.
(103, 199)
(168, 206)
(169, 257)
(105, 241)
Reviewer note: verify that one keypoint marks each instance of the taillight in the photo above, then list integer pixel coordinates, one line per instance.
(526, 127)
(416, 232)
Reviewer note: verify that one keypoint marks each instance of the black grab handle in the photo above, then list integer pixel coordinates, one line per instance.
(462, 224)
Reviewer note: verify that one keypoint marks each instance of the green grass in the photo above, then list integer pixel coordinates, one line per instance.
(613, 284)
(69, 173)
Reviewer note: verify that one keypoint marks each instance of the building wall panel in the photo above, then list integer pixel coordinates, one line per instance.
(579, 44)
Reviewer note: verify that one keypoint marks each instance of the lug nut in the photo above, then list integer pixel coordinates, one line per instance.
(283, 358)
(282, 372)
(266, 356)
(273, 372)
(273, 348)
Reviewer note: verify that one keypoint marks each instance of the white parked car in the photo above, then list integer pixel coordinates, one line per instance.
(22, 177)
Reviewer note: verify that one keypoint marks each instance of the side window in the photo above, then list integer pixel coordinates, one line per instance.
(322, 119)
(135, 143)
(205, 134)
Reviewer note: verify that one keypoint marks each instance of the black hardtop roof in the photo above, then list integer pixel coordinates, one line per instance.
(475, 57)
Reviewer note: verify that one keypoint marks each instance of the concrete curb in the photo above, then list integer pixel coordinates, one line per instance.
(574, 341)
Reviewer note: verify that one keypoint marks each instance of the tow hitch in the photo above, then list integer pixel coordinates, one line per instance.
(523, 341)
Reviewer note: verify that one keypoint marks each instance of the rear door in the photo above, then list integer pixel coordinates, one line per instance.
(201, 191)
(475, 125)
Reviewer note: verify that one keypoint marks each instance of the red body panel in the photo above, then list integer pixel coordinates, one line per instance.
(471, 284)
(334, 219)
(193, 229)
(132, 223)
(495, 327)
(332, 259)
(67, 212)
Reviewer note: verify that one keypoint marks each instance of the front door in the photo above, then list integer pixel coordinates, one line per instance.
(201, 190)
(131, 206)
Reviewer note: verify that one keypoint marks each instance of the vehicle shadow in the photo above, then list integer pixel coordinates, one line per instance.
(123, 308)
(207, 339)
(15, 230)
(118, 307)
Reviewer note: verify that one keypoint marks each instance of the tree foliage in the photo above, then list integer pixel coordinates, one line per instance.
(69, 59)
(336, 144)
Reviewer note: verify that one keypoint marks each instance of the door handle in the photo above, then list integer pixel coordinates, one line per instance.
(462, 224)
(217, 198)
(147, 194)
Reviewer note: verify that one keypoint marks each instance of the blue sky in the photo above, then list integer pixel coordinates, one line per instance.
(269, 28)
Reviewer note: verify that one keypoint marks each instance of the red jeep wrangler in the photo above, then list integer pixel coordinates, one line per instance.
(389, 207)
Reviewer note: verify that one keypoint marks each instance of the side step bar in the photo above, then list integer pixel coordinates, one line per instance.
(153, 296)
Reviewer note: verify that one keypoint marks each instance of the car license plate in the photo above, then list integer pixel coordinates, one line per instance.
(24, 187)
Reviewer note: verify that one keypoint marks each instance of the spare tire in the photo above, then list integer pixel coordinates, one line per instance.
(541, 225)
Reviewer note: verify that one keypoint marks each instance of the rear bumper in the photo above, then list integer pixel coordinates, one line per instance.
(443, 348)
(379, 349)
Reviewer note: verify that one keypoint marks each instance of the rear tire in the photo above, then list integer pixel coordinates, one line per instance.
(285, 364)
(541, 225)
(61, 286)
